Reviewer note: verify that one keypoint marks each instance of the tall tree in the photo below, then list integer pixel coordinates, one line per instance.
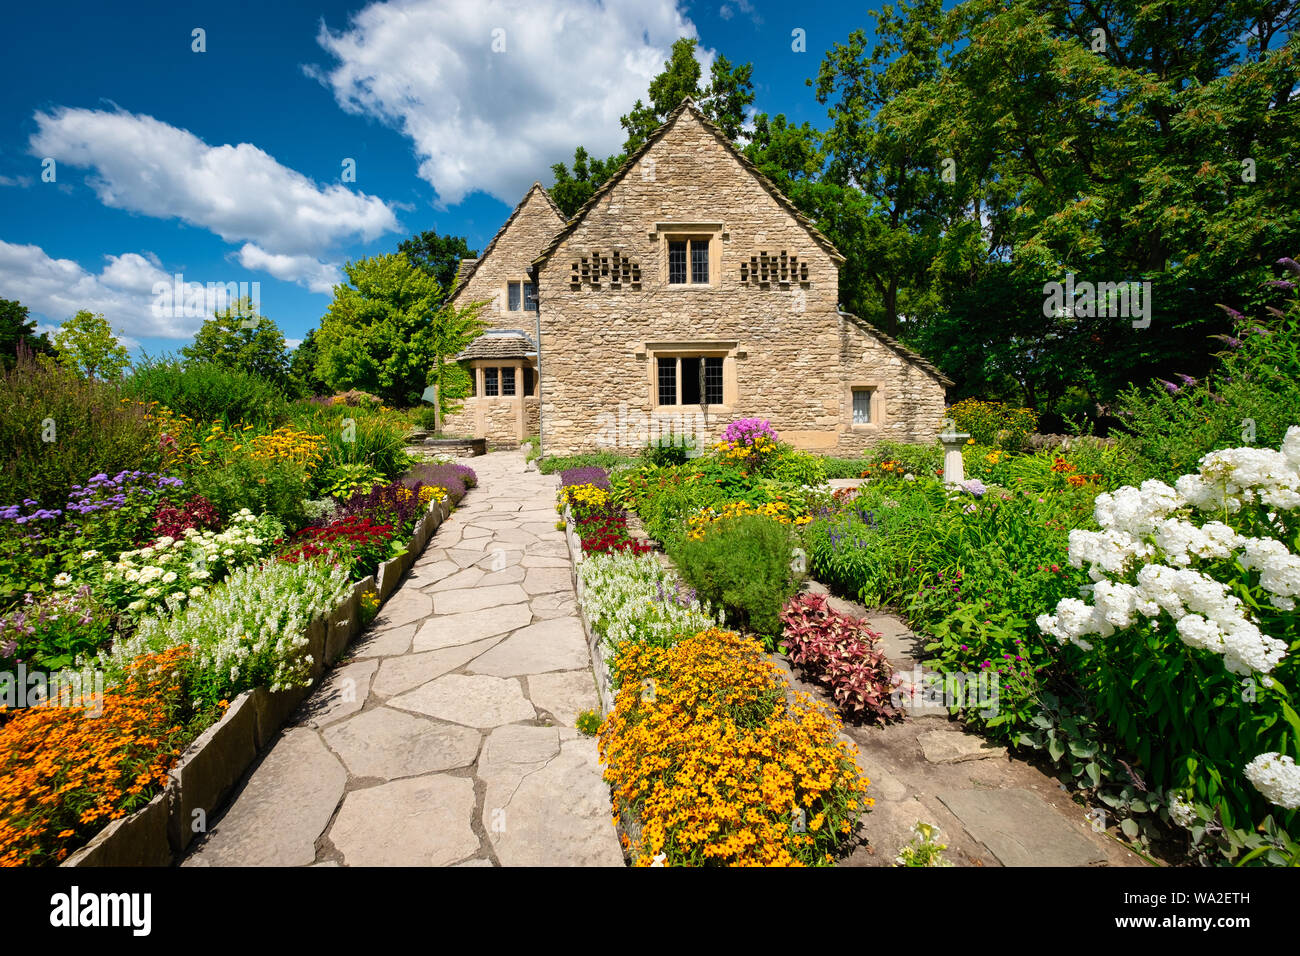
(725, 100)
(302, 367)
(238, 337)
(87, 344)
(388, 331)
(437, 255)
(16, 328)
(572, 189)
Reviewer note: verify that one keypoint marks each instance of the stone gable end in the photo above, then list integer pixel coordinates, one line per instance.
(769, 310)
(508, 258)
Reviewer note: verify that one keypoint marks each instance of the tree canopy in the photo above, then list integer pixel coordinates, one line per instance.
(87, 344)
(238, 337)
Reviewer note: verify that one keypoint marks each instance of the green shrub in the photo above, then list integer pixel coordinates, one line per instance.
(278, 488)
(919, 459)
(842, 467)
(426, 417)
(343, 481)
(669, 450)
(208, 392)
(795, 467)
(57, 429)
(995, 423)
(608, 460)
(357, 435)
(744, 565)
(1251, 400)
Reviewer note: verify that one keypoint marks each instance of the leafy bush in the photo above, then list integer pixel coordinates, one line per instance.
(243, 483)
(708, 764)
(995, 423)
(842, 467)
(746, 566)
(917, 459)
(426, 417)
(840, 652)
(52, 633)
(343, 481)
(208, 392)
(670, 450)
(797, 468)
(1251, 399)
(607, 460)
(357, 435)
(56, 427)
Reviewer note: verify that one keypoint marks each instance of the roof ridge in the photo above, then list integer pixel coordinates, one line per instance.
(514, 213)
(767, 185)
(913, 356)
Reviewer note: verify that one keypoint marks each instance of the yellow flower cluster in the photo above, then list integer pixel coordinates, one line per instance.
(711, 764)
(777, 510)
(584, 499)
(760, 449)
(287, 444)
(427, 493)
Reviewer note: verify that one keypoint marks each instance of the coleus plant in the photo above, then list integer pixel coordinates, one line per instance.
(839, 652)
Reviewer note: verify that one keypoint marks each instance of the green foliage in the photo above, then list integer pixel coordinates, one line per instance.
(744, 565)
(797, 468)
(994, 423)
(668, 450)
(1251, 399)
(388, 329)
(438, 255)
(924, 849)
(610, 461)
(208, 392)
(87, 344)
(57, 429)
(588, 723)
(343, 481)
(919, 459)
(303, 380)
(426, 417)
(279, 488)
(17, 329)
(357, 435)
(238, 338)
(572, 189)
(842, 467)
(532, 447)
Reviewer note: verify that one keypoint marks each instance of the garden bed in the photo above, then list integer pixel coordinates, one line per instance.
(208, 771)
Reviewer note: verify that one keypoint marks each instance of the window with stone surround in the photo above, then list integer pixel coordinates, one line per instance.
(521, 296)
(688, 379)
(862, 406)
(688, 260)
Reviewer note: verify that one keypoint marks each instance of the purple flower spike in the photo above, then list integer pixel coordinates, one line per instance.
(1170, 387)
(1289, 263)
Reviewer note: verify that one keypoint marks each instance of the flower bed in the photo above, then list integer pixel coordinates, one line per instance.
(709, 763)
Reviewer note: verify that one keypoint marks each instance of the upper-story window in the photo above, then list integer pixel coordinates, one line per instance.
(521, 295)
(688, 261)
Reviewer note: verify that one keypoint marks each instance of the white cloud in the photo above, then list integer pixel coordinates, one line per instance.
(123, 291)
(292, 343)
(496, 121)
(238, 192)
(307, 271)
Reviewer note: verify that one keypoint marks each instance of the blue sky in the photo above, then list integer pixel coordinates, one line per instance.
(225, 165)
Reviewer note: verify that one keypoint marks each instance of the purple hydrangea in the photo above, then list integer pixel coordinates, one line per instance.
(975, 487)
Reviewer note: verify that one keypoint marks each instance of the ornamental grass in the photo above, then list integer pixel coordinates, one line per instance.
(64, 773)
(709, 763)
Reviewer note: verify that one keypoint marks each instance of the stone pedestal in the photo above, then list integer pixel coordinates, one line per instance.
(952, 463)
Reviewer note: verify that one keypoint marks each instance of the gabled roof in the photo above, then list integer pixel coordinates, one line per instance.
(467, 267)
(915, 358)
(632, 159)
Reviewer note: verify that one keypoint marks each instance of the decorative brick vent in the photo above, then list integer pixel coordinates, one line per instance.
(614, 271)
(765, 269)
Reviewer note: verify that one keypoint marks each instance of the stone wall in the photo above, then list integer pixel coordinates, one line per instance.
(497, 419)
(605, 319)
(508, 258)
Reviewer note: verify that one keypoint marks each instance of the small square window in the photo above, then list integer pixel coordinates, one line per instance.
(530, 297)
(512, 289)
(508, 381)
(491, 384)
(862, 406)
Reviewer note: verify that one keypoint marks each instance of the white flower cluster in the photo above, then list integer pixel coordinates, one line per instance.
(1182, 812)
(1277, 777)
(247, 631)
(175, 569)
(630, 597)
(1149, 528)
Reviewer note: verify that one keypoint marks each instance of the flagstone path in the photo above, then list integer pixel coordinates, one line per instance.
(446, 735)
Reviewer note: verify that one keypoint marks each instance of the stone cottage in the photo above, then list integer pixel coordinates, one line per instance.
(687, 292)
